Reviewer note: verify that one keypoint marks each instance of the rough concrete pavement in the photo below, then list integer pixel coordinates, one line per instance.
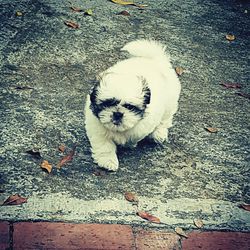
(196, 175)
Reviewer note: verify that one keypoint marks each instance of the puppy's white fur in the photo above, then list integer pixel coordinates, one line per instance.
(148, 67)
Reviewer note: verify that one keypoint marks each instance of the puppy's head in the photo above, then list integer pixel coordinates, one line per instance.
(119, 101)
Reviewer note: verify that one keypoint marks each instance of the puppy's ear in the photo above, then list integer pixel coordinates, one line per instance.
(146, 91)
(93, 98)
(94, 92)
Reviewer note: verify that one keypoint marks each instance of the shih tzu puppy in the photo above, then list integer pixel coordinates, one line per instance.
(134, 99)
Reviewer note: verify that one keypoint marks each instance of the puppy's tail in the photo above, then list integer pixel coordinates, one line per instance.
(147, 49)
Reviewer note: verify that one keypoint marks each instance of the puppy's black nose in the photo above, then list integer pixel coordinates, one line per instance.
(117, 117)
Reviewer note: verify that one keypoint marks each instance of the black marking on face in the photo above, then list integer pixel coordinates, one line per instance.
(98, 106)
(111, 102)
(108, 103)
(134, 109)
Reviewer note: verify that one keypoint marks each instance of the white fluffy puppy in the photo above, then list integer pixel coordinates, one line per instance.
(135, 98)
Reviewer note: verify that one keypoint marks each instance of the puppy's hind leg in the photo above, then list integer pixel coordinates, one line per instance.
(160, 134)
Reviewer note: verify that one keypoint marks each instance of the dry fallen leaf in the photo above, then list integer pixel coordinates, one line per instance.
(180, 231)
(62, 148)
(198, 223)
(231, 85)
(66, 158)
(71, 24)
(15, 199)
(212, 130)
(19, 13)
(131, 197)
(230, 37)
(46, 166)
(243, 95)
(34, 153)
(76, 9)
(125, 2)
(245, 206)
(88, 12)
(149, 217)
(179, 71)
(124, 13)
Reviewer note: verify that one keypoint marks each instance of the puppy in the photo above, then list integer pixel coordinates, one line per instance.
(133, 99)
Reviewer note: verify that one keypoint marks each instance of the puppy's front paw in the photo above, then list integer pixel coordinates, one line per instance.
(108, 162)
(160, 135)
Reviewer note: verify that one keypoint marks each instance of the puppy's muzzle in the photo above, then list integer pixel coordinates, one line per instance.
(117, 118)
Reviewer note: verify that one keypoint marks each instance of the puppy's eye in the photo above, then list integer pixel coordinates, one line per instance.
(109, 102)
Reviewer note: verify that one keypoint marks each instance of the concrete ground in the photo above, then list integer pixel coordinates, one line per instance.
(46, 71)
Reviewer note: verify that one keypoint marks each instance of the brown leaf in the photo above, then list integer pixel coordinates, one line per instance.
(127, 2)
(180, 231)
(212, 130)
(76, 9)
(179, 71)
(243, 95)
(88, 12)
(131, 197)
(245, 206)
(62, 148)
(229, 85)
(71, 24)
(19, 13)
(230, 37)
(149, 217)
(66, 158)
(198, 223)
(15, 199)
(46, 166)
(124, 13)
